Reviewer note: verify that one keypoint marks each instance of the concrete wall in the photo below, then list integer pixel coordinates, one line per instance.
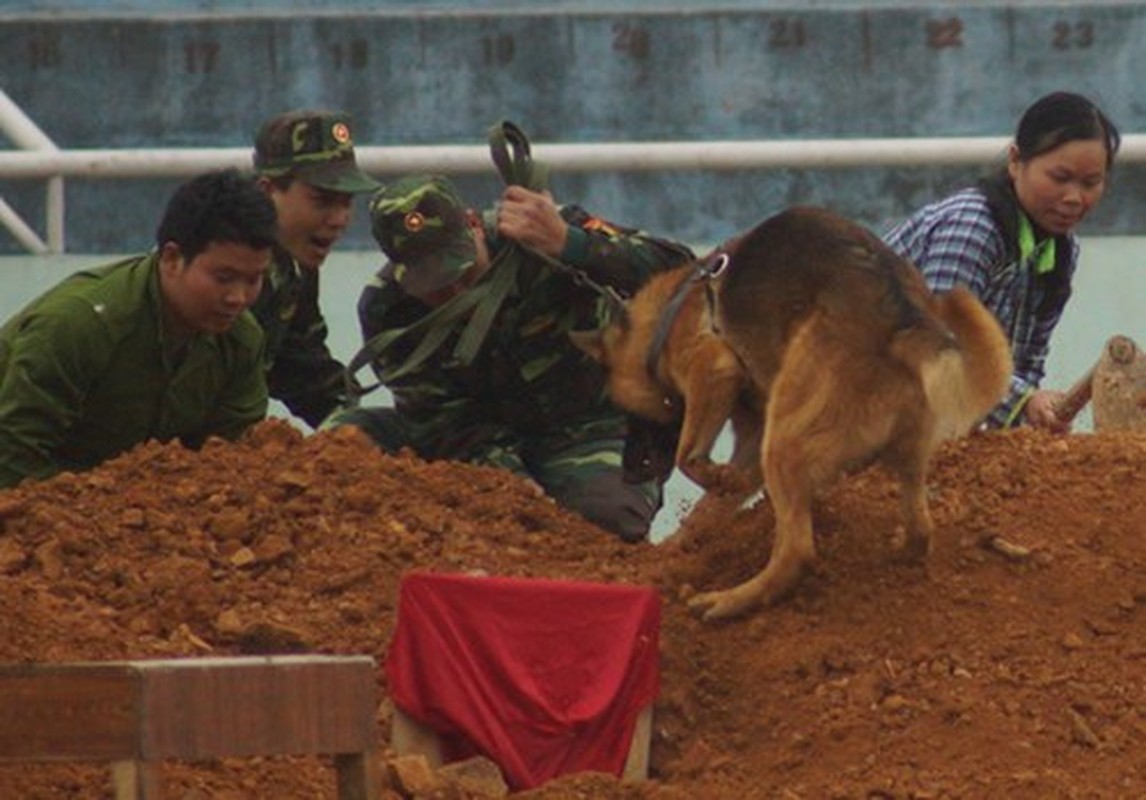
(173, 74)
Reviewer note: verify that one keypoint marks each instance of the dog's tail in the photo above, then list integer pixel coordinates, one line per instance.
(967, 377)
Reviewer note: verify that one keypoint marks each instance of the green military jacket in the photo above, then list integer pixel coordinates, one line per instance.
(527, 377)
(301, 372)
(84, 377)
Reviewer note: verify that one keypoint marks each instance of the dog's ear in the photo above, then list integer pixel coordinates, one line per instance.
(592, 343)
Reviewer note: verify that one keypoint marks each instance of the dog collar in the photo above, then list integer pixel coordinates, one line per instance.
(710, 267)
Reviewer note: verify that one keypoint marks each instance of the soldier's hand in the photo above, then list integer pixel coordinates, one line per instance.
(536, 488)
(532, 220)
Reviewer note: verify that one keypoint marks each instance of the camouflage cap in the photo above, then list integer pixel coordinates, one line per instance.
(314, 146)
(420, 223)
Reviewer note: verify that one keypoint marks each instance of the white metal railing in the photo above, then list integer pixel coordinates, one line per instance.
(41, 159)
(24, 134)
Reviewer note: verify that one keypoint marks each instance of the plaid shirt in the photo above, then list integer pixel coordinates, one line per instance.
(958, 240)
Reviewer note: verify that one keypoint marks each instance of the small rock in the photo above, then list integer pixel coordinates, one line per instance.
(133, 518)
(1080, 730)
(49, 558)
(243, 557)
(412, 776)
(274, 548)
(12, 556)
(228, 622)
(478, 777)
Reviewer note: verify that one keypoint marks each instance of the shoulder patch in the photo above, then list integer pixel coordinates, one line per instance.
(601, 226)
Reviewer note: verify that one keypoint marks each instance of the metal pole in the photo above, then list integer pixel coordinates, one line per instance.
(25, 134)
(24, 235)
(19, 128)
(612, 156)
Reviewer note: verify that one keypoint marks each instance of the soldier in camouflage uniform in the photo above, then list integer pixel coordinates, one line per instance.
(473, 344)
(305, 163)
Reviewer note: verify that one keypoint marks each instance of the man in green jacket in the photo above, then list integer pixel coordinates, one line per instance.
(468, 324)
(305, 163)
(158, 346)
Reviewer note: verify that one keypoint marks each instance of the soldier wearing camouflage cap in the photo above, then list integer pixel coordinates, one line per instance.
(474, 347)
(304, 161)
(422, 225)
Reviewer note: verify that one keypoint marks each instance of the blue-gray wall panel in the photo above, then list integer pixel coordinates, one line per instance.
(572, 73)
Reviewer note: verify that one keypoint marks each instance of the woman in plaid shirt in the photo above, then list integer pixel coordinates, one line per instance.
(1010, 239)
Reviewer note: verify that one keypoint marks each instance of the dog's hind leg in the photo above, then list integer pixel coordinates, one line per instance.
(917, 518)
(909, 463)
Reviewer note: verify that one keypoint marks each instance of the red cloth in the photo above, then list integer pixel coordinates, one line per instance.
(544, 677)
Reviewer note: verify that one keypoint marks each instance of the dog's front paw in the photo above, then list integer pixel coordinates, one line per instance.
(721, 478)
(735, 481)
(702, 472)
(715, 606)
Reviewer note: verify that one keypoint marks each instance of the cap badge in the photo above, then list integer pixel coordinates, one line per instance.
(341, 132)
(414, 222)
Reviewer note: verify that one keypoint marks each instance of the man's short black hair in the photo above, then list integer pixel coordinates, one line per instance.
(218, 206)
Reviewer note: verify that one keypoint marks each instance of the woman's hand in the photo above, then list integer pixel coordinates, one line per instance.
(1041, 411)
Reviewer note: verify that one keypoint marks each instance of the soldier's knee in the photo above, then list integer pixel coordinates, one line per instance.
(624, 509)
(628, 523)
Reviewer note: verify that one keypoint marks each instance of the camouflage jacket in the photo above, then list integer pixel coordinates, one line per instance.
(527, 377)
(301, 372)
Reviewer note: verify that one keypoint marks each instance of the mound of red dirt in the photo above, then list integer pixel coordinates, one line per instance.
(1012, 665)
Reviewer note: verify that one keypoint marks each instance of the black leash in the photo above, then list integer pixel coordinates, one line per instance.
(512, 155)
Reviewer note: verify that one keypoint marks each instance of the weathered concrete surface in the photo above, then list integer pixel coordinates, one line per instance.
(156, 74)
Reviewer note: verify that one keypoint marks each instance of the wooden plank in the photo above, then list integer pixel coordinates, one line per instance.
(408, 736)
(359, 776)
(637, 762)
(188, 708)
(275, 705)
(69, 713)
(135, 780)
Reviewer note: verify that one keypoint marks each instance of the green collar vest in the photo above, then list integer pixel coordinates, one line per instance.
(1040, 255)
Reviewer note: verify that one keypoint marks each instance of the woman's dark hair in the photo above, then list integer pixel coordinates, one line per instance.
(218, 206)
(1062, 117)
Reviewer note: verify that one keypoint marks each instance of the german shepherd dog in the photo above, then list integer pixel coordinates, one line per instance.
(828, 353)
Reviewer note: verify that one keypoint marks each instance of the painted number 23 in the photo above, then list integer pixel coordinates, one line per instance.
(1073, 35)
